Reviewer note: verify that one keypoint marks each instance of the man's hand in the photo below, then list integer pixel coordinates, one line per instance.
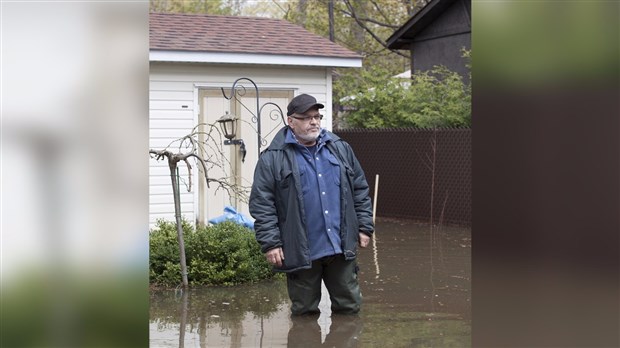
(364, 240)
(275, 256)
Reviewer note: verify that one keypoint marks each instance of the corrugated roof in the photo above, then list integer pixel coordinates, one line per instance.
(234, 34)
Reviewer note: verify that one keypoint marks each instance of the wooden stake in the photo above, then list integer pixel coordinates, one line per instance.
(374, 235)
(374, 206)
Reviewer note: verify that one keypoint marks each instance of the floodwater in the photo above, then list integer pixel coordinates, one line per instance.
(416, 293)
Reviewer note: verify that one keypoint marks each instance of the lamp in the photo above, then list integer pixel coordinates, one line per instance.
(228, 124)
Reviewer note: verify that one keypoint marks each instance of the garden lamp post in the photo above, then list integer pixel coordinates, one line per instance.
(237, 90)
(228, 123)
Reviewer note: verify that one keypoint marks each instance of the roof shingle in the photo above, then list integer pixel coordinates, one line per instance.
(234, 34)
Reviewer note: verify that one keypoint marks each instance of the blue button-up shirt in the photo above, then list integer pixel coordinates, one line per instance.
(320, 183)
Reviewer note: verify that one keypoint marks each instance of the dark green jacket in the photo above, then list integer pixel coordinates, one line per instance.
(276, 202)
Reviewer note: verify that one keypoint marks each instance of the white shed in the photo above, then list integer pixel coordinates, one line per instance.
(192, 57)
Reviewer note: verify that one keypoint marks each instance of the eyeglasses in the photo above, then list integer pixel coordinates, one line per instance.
(308, 118)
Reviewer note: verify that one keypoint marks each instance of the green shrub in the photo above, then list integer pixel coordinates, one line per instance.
(223, 254)
(436, 98)
(164, 266)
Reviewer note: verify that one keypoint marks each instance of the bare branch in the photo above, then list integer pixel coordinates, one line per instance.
(279, 6)
(428, 158)
(208, 152)
(231, 190)
(159, 154)
(189, 174)
(378, 8)
(204, 166)
(423, 161)
(370, 32)
(369, 20)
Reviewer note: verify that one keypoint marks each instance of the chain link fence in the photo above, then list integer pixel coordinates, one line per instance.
(418, 169)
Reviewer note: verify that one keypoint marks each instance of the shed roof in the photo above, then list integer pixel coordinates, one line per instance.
(236, 34)
(404, 36)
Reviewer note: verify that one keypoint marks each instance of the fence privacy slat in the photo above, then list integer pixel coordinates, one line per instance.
(404, 159)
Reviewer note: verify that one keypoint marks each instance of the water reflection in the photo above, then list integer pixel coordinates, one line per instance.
(219, 317)
(344, 331)
(420, 298)
(183, 320)
(375, 254)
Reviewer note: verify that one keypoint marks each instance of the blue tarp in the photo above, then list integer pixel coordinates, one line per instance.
(231, 214)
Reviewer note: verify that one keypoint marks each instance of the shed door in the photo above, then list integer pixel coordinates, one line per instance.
(226, 159)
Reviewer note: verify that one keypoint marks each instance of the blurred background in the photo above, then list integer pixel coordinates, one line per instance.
(74, 174)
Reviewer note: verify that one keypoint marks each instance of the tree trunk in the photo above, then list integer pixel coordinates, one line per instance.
(302, 7)
(177, 214)
(330, 11)
(356, 29)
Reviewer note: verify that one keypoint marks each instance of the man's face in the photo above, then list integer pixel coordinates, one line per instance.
(306, 126)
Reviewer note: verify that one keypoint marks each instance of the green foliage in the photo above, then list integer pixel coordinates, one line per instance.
(361, 26)
(223, 254)
(214, 7)
(438, 98)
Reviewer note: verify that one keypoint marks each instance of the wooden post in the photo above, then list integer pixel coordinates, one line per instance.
(177, 214)
(374, 206)
(374, 235)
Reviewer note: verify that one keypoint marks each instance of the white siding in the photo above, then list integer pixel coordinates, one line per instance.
(174, 111)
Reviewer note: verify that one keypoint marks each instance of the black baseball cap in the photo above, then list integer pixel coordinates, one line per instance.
(302, 103)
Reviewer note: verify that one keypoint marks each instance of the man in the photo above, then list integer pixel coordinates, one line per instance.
(312, 209)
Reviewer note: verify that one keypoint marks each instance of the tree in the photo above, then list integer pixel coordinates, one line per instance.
(215, 7)
(362, 26)
(438, 98)
(208, 153)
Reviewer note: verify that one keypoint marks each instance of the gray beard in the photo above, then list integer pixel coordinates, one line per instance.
(307, 137)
